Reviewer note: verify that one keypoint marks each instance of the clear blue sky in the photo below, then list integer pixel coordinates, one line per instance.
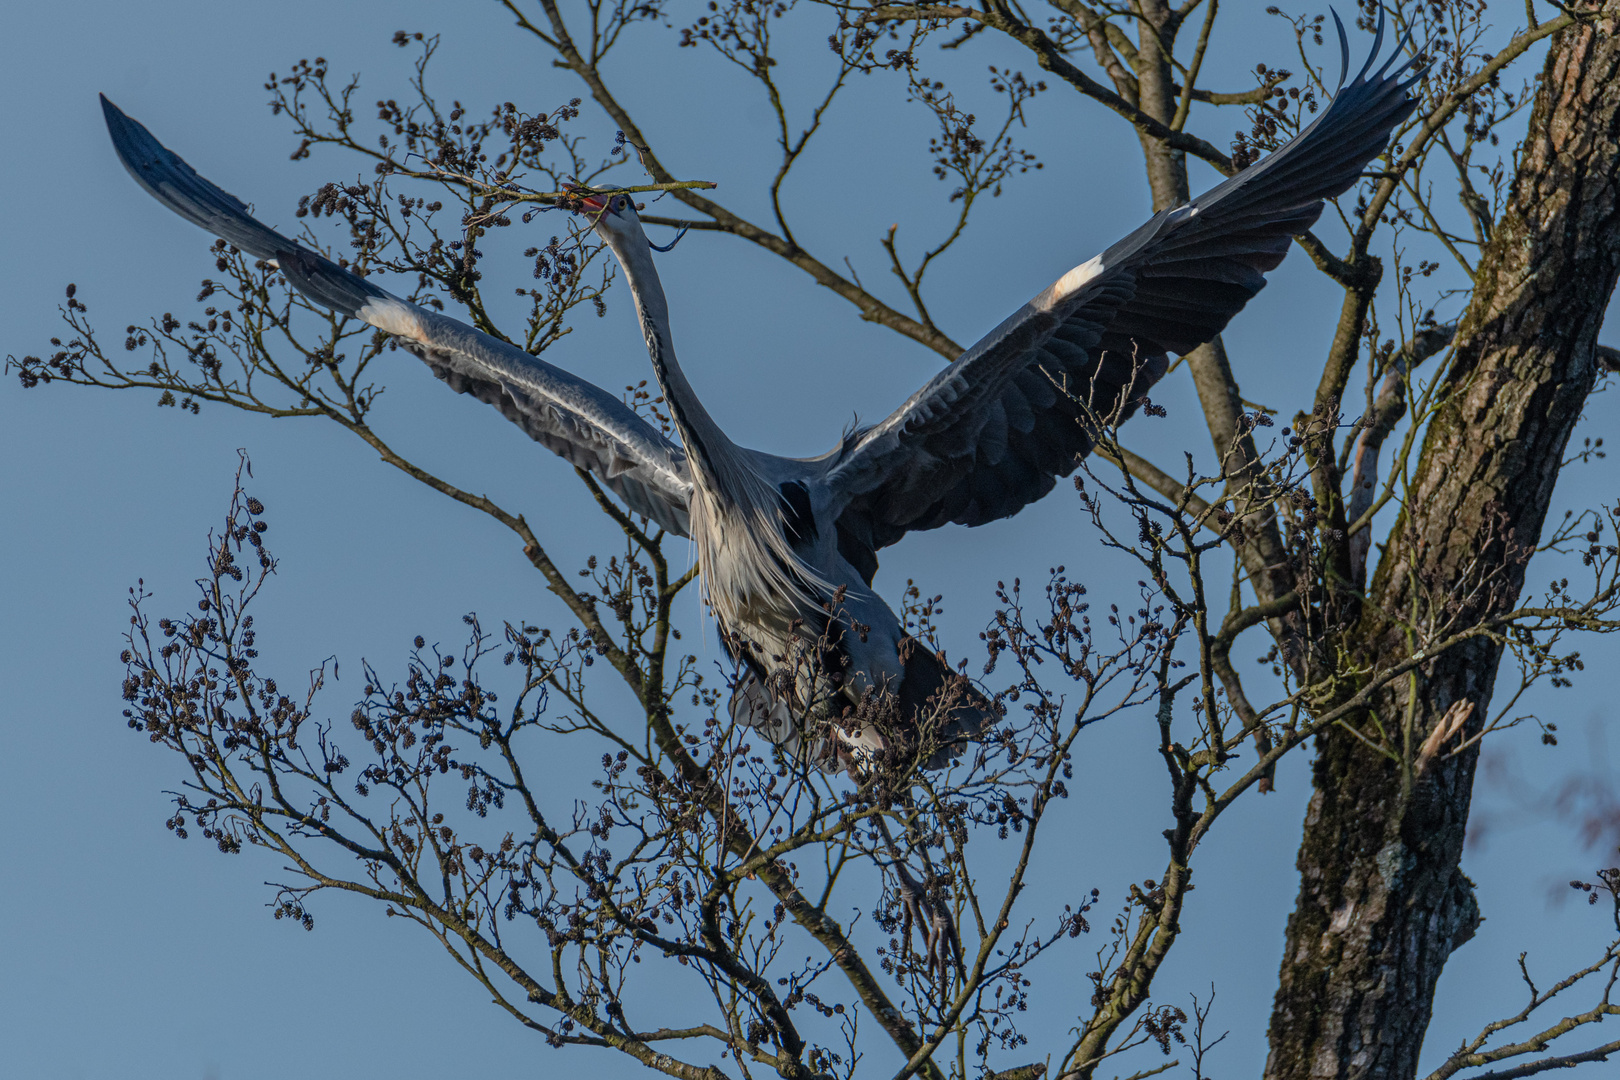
(126, 954)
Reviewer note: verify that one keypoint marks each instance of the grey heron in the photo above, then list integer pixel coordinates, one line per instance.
(787, 547)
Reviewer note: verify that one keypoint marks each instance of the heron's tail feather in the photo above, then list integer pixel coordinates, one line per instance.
(934, 711)
(942, 708)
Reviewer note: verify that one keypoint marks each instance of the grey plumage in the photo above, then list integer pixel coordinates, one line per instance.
(788, 547)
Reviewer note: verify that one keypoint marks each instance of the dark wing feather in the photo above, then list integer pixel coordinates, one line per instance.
(577, 420)
(993, 431)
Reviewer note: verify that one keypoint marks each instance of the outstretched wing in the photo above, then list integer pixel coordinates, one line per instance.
(993, 431)
(579, 421)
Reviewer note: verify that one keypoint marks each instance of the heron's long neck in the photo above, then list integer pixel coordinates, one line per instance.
(707, 447)
(750, 571)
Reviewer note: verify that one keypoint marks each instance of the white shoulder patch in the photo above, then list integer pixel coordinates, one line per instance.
(393, 316)
(1070, 283)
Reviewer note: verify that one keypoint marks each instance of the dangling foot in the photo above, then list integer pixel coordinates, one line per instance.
(941, 943)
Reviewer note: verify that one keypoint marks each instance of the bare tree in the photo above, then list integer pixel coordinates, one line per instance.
(703, 852)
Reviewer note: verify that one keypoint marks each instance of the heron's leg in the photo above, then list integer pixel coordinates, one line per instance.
(948, 939)
(941, 943)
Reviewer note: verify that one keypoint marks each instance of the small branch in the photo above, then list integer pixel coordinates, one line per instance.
(1157, 479)
(1051, 57)
(1562, 1061)
(1184, 107)
(1386, 412)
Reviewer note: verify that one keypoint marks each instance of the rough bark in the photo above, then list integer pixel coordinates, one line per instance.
(1382, 900)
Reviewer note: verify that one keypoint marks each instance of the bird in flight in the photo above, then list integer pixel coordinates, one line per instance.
(787, 547)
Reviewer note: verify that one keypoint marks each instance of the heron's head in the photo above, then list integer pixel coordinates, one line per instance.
(613, 217)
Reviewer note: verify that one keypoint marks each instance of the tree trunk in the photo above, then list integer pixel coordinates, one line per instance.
(1382, 900)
